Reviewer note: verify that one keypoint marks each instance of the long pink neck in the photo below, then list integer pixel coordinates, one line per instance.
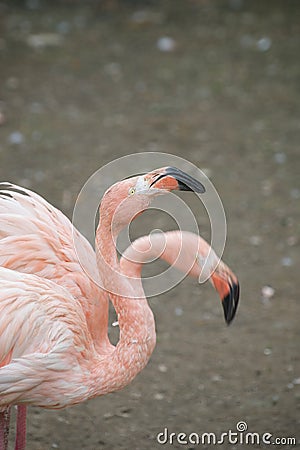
(177, 248)
(136, 321)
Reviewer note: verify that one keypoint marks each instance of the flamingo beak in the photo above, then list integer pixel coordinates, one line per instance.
(171, 178)
(230, 302)
(229, 292)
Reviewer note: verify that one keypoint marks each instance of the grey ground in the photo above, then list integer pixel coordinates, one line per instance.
(226, 98)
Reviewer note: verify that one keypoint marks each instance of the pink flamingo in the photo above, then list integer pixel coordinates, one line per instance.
(51, 334)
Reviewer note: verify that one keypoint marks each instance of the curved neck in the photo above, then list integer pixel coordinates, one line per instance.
(136, 321)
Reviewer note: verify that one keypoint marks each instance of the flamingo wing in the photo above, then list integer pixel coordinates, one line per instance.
(43, 340)
(25, 216)
(37, 238)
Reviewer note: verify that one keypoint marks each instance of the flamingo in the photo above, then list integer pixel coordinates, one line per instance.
(55, 351)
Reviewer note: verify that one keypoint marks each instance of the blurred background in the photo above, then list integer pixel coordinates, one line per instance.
(216, 82)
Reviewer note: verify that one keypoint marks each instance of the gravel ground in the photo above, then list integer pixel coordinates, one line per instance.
(216, 82)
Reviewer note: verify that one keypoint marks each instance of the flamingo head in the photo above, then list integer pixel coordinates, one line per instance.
(126, 199)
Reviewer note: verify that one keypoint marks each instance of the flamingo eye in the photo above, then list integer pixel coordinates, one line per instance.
(131, 191)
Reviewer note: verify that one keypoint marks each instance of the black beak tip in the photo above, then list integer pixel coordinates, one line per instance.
(199, 188)
(185, 182)
(230, 303)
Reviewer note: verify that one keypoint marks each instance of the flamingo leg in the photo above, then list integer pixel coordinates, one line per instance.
(4, 428)
(20, 443)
